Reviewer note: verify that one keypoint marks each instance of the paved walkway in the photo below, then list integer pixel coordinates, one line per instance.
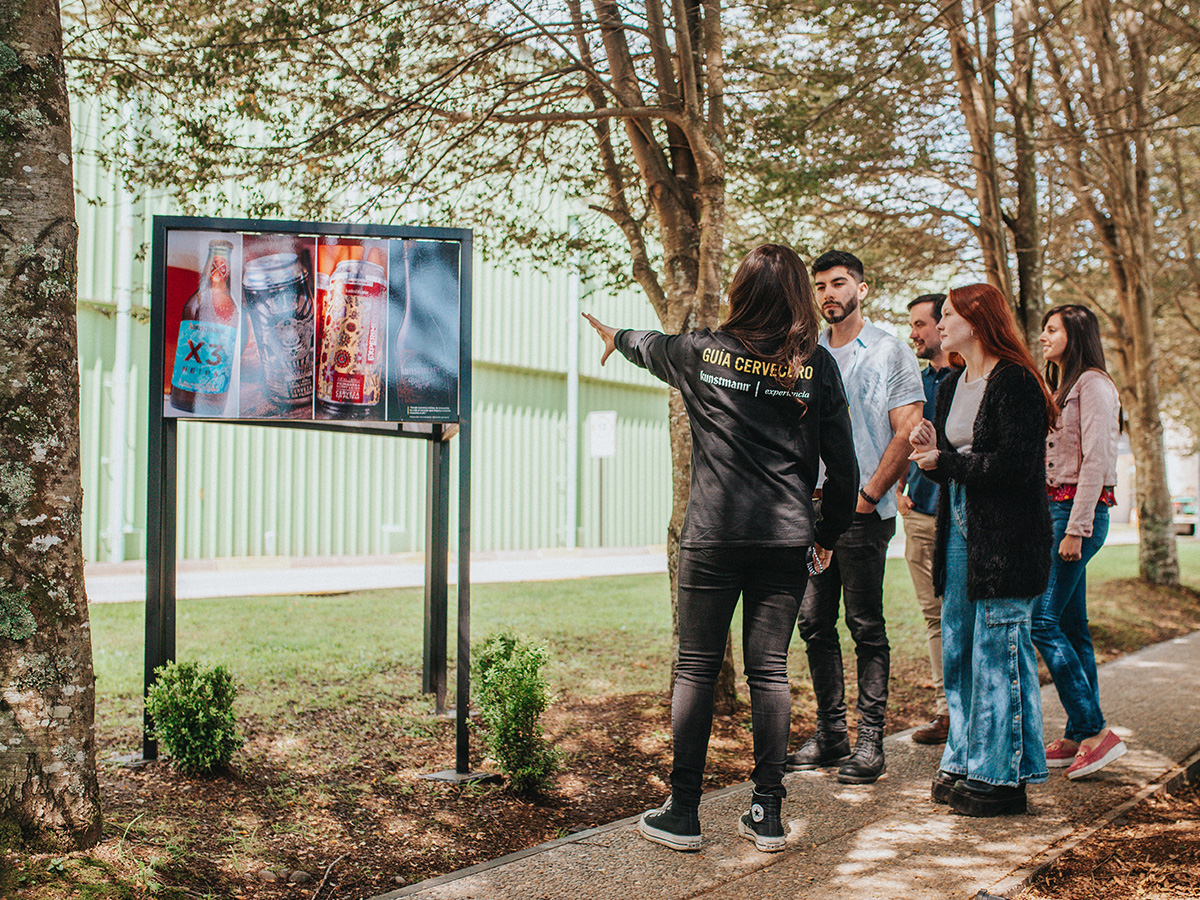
(259, 576)
(876, 842)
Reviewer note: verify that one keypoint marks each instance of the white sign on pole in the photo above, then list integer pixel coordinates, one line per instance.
(602, 433)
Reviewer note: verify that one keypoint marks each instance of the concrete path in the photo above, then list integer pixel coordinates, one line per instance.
(876, 842)
(261, 576)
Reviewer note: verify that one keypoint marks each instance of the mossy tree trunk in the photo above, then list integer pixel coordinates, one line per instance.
(49, 799)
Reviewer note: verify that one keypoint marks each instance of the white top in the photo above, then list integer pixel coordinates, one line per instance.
(960, 421)
(844, 356)
(879, 373)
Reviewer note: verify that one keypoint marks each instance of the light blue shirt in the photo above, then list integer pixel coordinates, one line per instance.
(880, 375)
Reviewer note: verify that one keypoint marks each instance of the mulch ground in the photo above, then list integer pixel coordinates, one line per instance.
(331, 803)
(1152, 852)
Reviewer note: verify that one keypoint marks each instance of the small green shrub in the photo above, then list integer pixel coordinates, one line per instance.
(192, 709)
(511, 694)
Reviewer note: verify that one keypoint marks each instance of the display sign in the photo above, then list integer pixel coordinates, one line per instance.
(310, 321)
(602, 434)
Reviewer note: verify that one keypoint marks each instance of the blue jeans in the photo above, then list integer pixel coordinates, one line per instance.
(1060, 627)
(770, 581)
(990, 673)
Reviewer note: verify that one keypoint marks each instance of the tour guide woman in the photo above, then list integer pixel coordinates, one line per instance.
(992, 556)
(1081, 471)
(763, 402)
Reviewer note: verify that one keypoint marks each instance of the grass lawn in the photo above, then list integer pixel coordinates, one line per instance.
(606, 635)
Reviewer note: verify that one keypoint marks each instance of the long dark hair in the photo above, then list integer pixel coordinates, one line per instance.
(988, 314)
(1084, 349)
(772, 310)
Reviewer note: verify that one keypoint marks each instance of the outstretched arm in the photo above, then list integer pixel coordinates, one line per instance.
(607, 334)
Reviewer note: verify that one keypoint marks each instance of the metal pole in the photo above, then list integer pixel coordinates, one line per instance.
(600, 501)
(118, 445)
(571, 526)
(437, 550)
(160, 508)
(160, 562)
(463, 695)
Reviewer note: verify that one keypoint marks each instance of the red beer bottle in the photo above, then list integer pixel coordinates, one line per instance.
(207, 340)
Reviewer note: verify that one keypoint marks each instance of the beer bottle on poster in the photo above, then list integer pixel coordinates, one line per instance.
(205, 349)
(424, 350)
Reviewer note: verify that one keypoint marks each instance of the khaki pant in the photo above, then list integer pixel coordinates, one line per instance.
(920, 533)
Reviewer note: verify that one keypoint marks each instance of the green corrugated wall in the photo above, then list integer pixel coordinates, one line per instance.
(251, 491)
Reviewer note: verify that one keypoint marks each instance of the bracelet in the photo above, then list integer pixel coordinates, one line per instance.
(874, 501)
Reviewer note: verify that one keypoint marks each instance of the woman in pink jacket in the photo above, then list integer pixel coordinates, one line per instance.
(1081, 471)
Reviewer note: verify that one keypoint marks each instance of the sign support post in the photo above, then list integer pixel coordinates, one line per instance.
(424, 297)
(437, 549)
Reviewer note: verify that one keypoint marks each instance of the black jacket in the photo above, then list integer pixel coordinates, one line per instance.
(755, 449)
(1008, 516)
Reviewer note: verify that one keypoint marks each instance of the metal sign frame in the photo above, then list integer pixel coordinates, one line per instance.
(163, 472)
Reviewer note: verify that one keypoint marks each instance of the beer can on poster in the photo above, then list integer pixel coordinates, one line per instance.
(351, 364)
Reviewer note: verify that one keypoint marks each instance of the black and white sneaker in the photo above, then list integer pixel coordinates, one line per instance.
(762, 823)
(672, 825)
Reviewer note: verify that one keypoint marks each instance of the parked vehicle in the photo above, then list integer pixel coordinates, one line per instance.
(1184, 512)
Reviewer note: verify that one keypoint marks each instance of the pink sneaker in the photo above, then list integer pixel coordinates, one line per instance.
(1061, 753)
(1108, 750)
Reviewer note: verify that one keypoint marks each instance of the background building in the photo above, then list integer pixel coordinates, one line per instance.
(264, 491)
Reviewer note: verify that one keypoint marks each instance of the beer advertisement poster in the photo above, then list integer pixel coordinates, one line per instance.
(327, 327)
(203, 320)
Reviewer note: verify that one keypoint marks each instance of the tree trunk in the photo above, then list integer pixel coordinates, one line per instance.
(1029, 300)
(49, 798)
(975, 77)
(685, 185)
(1105, 141)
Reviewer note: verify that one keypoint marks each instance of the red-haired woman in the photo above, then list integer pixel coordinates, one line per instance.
(992, 558)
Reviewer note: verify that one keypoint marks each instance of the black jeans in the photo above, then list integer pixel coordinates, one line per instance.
(770, 581)
(856, 573)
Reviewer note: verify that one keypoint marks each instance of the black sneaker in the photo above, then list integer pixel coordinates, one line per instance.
(822, 749)
(762, 823)
(672, 825)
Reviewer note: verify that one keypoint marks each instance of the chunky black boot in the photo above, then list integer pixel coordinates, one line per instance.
(825, 748)
(762, 823)
(866, 763)
(942, 785)
(672, 825)
(978, 798)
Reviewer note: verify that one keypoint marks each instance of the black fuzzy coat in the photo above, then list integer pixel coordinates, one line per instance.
(1008, 516)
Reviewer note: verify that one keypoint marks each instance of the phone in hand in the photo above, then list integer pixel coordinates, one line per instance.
(814, 562)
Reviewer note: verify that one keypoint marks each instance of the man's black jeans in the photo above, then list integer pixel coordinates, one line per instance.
(770, 581)
(855, 574)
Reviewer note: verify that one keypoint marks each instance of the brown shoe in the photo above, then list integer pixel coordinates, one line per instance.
(935, 732)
